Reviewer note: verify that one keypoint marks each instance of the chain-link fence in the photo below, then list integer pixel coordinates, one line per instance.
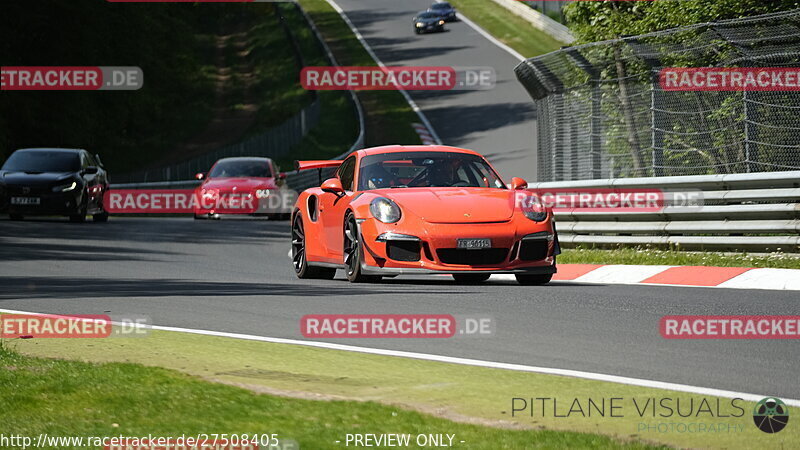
(603, 114)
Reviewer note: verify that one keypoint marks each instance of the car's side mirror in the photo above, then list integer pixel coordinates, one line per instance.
(282, 176)
(333, 186)
(90, 170)
(518, 183)
(200, 176)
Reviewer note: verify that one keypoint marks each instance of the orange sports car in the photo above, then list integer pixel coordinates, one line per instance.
(420, 210)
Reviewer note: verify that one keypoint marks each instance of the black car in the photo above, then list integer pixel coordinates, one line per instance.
(53, 181)
(428, 21)
(445, 10)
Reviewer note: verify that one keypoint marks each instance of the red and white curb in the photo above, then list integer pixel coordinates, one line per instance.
(424, 134)
(695, 276)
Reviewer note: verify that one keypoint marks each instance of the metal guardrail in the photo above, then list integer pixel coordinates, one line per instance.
(273, 143)
(752, 212)
(538, 20)
(189, 184)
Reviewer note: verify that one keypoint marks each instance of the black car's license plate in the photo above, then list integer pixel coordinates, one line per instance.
(474, 243)
(26, 200)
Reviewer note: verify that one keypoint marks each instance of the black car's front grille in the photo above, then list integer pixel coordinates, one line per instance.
(472, 257)
(26, 190)
(533, 250)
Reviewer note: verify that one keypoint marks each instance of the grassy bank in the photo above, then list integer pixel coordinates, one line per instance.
(651, 256)
(369, 388)
(113, 399)
(388, 115)
(214, 74)
(507, 27)
(338, 125)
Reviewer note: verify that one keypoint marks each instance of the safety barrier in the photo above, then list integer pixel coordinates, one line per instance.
(738, 212)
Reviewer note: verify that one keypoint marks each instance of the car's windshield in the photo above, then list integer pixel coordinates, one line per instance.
(241, 168)
(426, 169)
(440, 6)
(43, 161)
(428, 15)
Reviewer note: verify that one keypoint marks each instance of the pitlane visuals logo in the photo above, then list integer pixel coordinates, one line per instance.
(771, 415)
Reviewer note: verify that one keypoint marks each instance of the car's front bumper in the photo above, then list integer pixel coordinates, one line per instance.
(432, 27)
(518, 246)
(50, 203)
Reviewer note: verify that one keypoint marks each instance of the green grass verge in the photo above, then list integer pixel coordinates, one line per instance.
(388, 115)
(69, 398)
(651, 256)
(507, 27)
(337, 128)
(448, 391)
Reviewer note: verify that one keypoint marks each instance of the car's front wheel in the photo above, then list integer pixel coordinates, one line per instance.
(353, 253)
(470, 278)
(80, 213)
(533, 280)
(299, 261)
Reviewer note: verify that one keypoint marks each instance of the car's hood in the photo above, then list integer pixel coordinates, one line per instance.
(239, 183)
(454, 205)
(32, 179)
(432, 20)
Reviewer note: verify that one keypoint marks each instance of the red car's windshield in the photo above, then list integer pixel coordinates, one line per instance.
(241, 168)
(426, 169)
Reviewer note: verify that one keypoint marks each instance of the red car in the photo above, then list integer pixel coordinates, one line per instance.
(244, 185)
(420, 210)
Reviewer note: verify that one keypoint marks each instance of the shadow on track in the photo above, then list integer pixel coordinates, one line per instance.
(44, 287)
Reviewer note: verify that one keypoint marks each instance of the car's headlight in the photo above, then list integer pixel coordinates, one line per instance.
(420, 24)
(534, 209)
(65, 187)
(384, 210)
(441, 22)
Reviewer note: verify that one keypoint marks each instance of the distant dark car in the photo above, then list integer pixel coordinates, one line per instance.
(427, 21)
(53, 181)
(445, 10)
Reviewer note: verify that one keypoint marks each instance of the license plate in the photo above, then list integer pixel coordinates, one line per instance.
(26, 200)
(474, 243)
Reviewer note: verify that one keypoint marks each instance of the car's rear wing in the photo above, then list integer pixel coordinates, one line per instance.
(305, 165)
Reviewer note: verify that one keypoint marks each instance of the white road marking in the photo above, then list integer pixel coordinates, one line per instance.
(788, 279)
(472, 362)
(620, 274)
(380, 63)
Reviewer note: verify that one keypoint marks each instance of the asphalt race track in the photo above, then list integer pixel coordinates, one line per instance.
(498, 123)
(234, 275)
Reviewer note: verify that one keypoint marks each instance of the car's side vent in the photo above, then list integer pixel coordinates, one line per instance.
(313, 210)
